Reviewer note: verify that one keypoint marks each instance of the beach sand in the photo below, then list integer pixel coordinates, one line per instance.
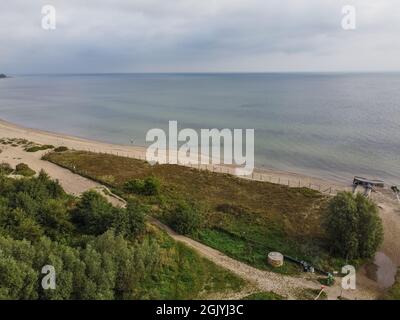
(10, 130)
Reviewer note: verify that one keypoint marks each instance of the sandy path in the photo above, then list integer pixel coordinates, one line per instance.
(389, 210)
(72, 183)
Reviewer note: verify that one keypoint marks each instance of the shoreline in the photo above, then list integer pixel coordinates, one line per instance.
(12, 130)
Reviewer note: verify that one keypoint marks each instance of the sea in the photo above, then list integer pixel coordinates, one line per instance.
(328, 125)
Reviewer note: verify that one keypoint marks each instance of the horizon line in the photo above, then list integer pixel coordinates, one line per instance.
(206, 72)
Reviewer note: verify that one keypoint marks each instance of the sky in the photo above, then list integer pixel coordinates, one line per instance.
(103, 36)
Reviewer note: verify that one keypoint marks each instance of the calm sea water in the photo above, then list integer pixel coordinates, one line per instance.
(328, 125)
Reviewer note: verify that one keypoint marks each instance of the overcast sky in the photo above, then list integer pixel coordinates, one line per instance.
(198, 36)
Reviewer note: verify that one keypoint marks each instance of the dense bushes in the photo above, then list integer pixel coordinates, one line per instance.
(41, 225)
(94, 215)
(130, 222)
(148, 187)
(353, 226)
(185, 219)
(107, 267)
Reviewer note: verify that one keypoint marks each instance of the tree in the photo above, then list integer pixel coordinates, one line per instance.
(54, 216)
(93, 214)
(130, 222)
(353, 226)
(17, 279)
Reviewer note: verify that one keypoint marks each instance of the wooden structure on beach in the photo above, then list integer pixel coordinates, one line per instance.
(368, 184)
(360, 181)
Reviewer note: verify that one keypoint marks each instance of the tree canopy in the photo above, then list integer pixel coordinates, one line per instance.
(97, 250)
(353, 226)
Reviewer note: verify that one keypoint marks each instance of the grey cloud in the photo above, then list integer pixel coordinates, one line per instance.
(198, 35)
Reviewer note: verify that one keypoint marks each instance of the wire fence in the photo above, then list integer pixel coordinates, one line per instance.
(292, 182)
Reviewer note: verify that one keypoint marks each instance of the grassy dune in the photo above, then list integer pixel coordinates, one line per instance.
(244, 219)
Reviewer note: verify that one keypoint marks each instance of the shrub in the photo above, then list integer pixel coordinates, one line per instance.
(24, 170)
(5, 168)
(353, 226)
(130, 222)
(151, 186)
(134, 186)
(39, 148)
(61, 149)
(185, 219)
(148, 187)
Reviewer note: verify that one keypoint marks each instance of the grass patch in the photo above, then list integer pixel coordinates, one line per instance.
(186, 275)
(264, 296)
(394, 292)
(5, 168)
(61, 149)
(39, 148)
(23, 169)
(244, 219)
(311, 294)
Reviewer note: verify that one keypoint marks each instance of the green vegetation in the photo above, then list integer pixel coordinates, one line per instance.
(23, 169)
(353, 226)
(39, 148)
(28, 146)
(5, 168)
(61, 149)
(312, 294)
(185, 219)
(244, 219)
(150, 186)
(263, 296)
(394, 292)
(99, 252)
(15, 142)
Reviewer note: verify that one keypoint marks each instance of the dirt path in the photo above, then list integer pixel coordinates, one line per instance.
(72, 183)
(288, 286)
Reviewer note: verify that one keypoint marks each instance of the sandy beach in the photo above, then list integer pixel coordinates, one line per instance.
(389, 206)
(10, 130)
